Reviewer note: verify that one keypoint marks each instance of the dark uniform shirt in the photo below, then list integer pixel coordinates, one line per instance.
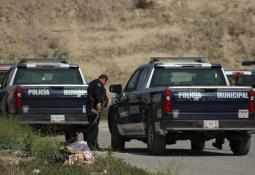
(96, 94)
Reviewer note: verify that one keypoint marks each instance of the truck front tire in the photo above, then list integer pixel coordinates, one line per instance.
(241, 146)
(117, 141)
(156, 143)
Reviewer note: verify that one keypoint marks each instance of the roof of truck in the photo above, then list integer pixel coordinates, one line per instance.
(178, 62)
(46, 63)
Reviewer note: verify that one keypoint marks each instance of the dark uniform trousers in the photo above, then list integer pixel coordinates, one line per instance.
(92, 132)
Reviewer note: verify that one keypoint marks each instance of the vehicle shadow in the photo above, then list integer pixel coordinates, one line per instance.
(180, 152)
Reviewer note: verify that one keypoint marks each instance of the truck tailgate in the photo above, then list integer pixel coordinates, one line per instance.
(211, 103)
(54, 99)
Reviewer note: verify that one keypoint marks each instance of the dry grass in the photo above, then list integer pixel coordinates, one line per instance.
(115, 36)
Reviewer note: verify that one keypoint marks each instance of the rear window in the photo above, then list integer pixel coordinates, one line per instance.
(243, 80)
(48, 76)
(187, 77)
(2, 76)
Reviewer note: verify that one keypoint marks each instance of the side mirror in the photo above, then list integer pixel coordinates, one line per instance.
(115, 88)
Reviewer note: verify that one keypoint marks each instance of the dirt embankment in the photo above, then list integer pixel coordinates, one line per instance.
(115, 36)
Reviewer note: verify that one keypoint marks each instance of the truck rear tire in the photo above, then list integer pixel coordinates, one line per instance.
(156, 143)
(241, 146)
(197, 145)
(117, 141)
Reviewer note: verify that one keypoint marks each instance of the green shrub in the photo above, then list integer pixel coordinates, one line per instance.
(104, 114)
(107, 165)
(13, 135)
(143, 4)
(47, 149)
(52, 168)
(1, 13)
(113, 165)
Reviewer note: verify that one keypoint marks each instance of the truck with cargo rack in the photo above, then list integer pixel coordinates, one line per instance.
(173, 98)
(244, 76)
(48, 94)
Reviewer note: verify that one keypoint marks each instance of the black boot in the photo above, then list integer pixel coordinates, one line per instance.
(94, 146)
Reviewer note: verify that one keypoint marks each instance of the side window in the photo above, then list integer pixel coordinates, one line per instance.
(142, 79)
(131, 85)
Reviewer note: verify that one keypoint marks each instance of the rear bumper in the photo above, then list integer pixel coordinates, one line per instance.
(46, 119)
(224, 125)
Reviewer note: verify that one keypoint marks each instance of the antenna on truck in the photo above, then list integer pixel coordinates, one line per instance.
(177, 59)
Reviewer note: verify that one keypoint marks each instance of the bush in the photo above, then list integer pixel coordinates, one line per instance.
(21, 138)
(1, 13)
(47, 149)
(52, 168)
(104, 114)
(14, 135)
(143, 4)
(104, 165)
(113, 165)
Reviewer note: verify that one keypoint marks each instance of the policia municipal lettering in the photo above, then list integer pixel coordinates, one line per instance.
(97, 100)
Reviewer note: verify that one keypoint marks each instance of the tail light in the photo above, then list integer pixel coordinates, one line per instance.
(18, 97)
(252, 104)
(167, 104)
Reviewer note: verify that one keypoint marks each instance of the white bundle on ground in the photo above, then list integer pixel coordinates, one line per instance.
(79, 153)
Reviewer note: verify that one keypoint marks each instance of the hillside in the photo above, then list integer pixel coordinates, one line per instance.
(115, 36)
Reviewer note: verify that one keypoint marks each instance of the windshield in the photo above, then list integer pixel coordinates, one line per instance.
(187, 77)
(48, 76)
(243, 80)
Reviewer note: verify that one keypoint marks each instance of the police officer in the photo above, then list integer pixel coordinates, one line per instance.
(97, 100)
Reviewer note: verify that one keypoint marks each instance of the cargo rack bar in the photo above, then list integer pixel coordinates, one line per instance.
(248, 63)
(174, 59)
(7, 64)
(43, 60)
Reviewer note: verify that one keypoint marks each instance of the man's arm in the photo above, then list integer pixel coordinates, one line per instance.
(99, 95)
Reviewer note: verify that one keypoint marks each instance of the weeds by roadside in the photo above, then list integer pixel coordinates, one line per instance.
(46, 157)
(104, 165)
(47, 149)
(13, 135)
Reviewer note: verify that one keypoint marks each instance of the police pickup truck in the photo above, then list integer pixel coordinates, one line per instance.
(47, 94)
(173, 99)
